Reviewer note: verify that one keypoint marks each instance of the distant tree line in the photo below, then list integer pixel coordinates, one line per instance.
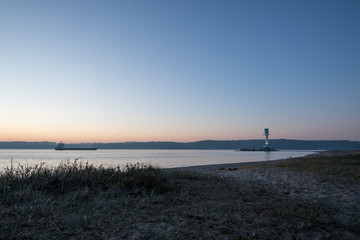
(281, 144)
(27, 145)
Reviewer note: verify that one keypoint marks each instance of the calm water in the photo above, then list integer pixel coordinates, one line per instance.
(161, 158)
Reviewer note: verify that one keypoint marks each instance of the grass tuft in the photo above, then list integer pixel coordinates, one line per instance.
(76, 176)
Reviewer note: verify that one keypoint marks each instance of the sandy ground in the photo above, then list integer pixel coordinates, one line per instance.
(293, 183)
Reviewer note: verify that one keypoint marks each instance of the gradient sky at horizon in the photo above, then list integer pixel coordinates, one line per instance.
(114, 71)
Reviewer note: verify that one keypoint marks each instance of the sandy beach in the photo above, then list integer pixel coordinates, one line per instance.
(293, 183)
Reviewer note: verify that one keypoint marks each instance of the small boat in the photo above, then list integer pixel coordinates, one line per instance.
(61, 147)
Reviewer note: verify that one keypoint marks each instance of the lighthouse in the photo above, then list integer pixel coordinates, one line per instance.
(265, 148)
(266, 133)
(267, 144)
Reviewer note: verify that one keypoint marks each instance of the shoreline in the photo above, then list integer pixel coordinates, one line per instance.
(291, 182)
(214, 168)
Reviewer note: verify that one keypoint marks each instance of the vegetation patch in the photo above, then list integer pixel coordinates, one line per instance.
(342, 168)
(80, 201)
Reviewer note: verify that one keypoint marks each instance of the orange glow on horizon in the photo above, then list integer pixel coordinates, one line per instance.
(143, 135)
(82, 137)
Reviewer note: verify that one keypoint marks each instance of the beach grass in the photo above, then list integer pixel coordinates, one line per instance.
(81, 201)
(338, 168)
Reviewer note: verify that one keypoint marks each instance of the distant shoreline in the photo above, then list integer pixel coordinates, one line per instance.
(281, 144)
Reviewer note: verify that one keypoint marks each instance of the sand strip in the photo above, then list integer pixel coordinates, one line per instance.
(293, 183)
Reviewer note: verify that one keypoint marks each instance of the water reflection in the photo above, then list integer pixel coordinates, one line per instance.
(161, 158)
(267, 156)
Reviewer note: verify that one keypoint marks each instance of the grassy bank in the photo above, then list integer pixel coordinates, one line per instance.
(81, 201)
(341, 168)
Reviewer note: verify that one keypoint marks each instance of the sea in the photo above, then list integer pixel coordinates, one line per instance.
(159, 158)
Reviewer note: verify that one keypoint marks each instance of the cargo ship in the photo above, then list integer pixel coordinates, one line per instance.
(62, 147)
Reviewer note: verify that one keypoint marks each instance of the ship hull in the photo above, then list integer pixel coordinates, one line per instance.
(76, 149)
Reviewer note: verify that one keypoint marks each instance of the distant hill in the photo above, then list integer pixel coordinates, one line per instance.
(27, 145)
(281, 144)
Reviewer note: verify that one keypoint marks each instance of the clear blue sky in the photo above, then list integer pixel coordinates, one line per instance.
(113, 71)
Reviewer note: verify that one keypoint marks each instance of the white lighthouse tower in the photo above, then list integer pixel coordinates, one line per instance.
(265, 148)
(266, 133)
(267, 144)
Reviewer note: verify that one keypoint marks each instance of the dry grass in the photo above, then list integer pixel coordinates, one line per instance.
(345, 168)
(142, 202)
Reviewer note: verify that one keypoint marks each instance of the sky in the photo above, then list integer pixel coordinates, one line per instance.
(189, 70)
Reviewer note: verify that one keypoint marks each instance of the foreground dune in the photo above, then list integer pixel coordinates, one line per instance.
(299, 184)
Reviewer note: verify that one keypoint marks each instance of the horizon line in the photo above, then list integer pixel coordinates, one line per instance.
(165, 141)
